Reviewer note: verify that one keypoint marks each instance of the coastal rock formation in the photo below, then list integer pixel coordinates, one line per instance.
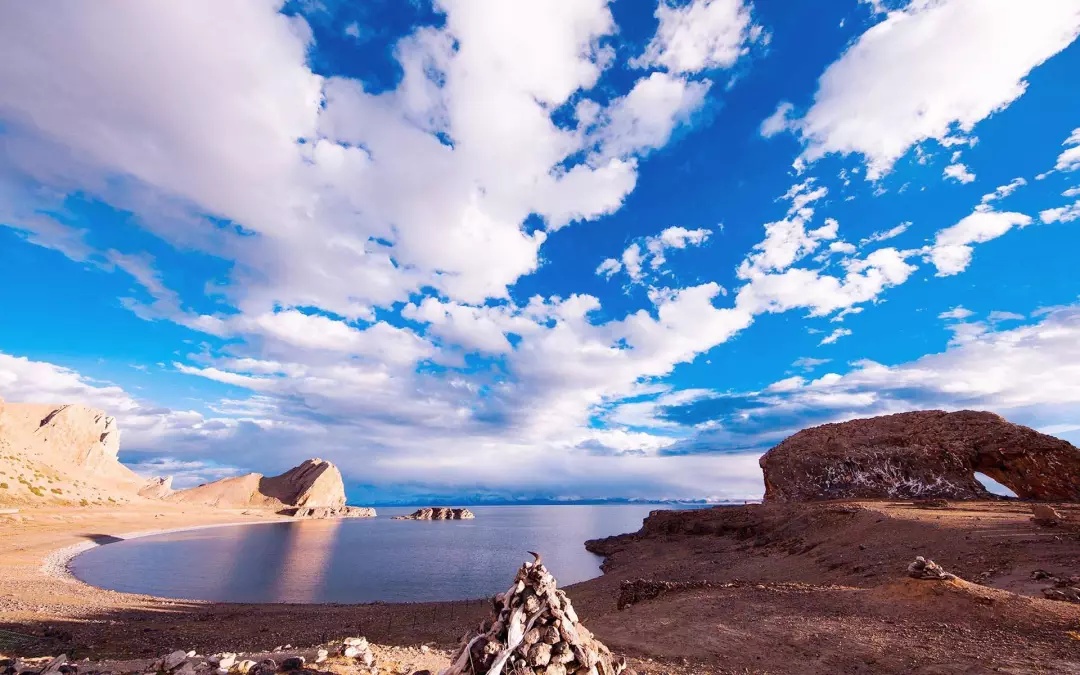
(438, 513)
(533, 629)
(61, 453)
(312, 489)
(329, 512)
(928, 454)
(157, 488)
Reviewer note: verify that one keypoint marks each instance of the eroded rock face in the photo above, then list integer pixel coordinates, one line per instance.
(440, 513)
(158, 487)
(927, 454)
(312, 489)
(64, 453)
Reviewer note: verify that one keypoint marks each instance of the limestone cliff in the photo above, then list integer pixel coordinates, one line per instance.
(314, 488)
(65, 453)
(921, 455)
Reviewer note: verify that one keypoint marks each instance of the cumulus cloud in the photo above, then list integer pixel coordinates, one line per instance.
(922, 74)
(832, 337)
(1028, 374)
(700, 35)
(958, 313)
(885, 235)
(951, 251)
(959, 173)
(1069, 159)
(1003, 191)
(651, 252)
(343, 199)
(1061, 214)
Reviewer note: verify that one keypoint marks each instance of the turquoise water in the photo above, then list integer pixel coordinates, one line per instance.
(360, 560)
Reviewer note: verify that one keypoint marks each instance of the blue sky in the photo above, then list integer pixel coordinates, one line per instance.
(565, 249)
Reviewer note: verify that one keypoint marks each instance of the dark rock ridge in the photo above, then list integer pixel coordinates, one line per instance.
(928, 454)
(441, 513)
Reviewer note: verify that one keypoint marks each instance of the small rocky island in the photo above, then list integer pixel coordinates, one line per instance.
(439, 513)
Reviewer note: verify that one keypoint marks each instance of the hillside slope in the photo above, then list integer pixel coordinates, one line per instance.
(61, 453)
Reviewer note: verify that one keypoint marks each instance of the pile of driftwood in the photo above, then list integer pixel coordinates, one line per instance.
(533, 629)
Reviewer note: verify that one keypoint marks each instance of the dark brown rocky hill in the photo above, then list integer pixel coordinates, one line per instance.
(921, 455)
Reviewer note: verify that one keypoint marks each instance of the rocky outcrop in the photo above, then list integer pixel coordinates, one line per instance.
(157, 488)
(62, 453)
(329, 512)
(312, 489)
(439, 513)
(928, 454)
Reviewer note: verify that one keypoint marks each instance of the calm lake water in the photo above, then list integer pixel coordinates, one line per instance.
(360, 560)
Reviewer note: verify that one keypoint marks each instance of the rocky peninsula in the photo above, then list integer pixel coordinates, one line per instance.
(438, 513)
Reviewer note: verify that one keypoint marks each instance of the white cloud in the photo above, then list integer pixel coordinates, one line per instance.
(958, 313)
(700, 35)
(832, 337)
(997, 316)
(1069, 159)
(951, 251)
(884, 235)
(1071, 192)
(959, 173)
(645, 118)
(922, 73)
(652, 251)
(1003, 191)
(372, 205)
(1062, 214)
(787, 241)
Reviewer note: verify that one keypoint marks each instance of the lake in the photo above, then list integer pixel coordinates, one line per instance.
(360, 560)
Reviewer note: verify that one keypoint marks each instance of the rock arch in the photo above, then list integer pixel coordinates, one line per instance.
(921, 455)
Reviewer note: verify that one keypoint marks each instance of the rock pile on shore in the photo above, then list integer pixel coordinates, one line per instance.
(439, 513)
(922, 568)
(354, 655)
(533, 629)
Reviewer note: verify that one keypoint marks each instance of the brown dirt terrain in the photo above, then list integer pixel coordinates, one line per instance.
(779, 588)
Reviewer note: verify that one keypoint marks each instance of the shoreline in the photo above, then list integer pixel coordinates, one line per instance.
(57, 564)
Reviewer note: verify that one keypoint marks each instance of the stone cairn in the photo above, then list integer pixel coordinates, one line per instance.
(533, 629)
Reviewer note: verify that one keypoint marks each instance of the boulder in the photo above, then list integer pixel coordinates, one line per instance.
(1045, 515)
(439, 513)
(928, 454)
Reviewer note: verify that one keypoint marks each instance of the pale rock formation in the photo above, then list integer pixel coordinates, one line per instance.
(438, 513)
(157, 488)
(312, 489)
(64, 453)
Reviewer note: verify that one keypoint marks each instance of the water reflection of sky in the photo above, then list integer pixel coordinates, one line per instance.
(359, 560)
